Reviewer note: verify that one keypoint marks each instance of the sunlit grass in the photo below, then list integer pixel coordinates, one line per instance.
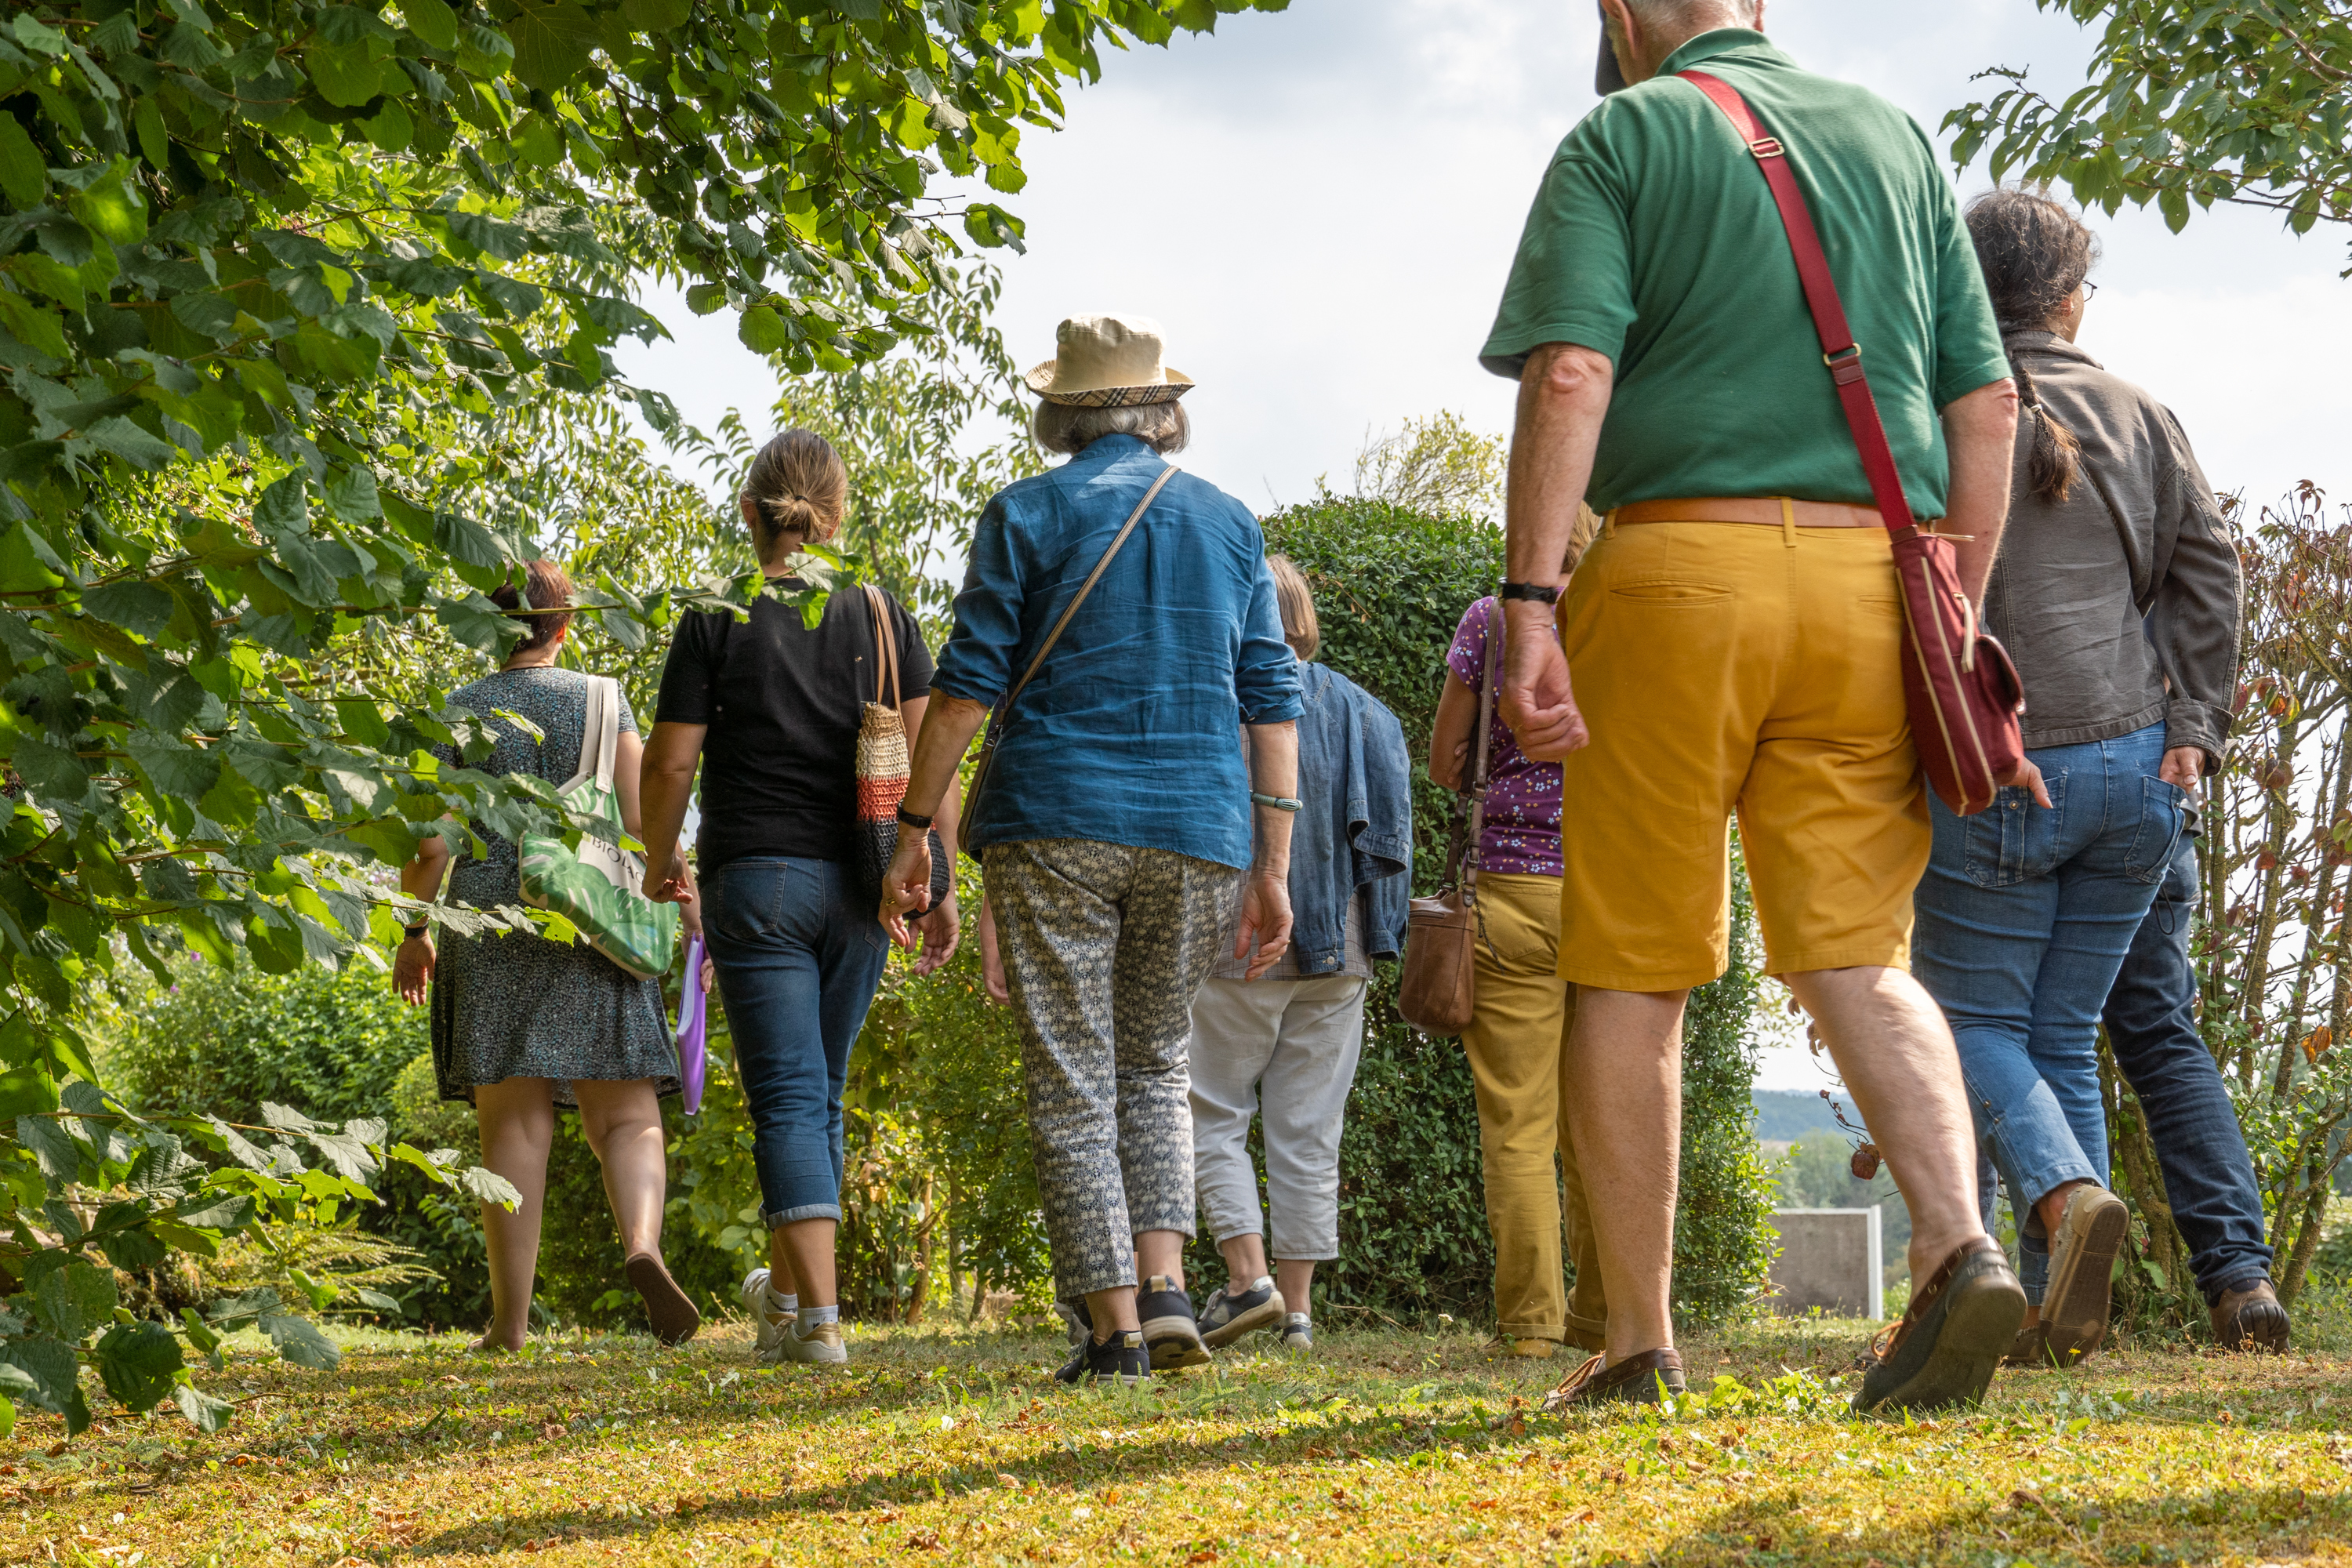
(1388, 1447)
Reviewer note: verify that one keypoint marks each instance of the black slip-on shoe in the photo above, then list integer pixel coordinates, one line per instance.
(1169, 1326)
(1944, 1351)
(2082, 1262)
(1228, 1314)
(1121, 1359)
(1642, 1379)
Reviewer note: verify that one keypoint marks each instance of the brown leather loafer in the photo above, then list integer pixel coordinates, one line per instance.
(2250, 1319)
(2031, 1347)
(1944, 1351)
(2081, 1257)
(1641, 1379)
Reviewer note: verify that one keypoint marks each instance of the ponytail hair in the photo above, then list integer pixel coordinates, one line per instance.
(797, 485)
(2035, 254)
(541, 602)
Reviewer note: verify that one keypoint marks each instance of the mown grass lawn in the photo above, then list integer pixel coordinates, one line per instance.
(1391, 1446)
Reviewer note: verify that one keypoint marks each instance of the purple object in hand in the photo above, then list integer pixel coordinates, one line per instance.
(689, 1027)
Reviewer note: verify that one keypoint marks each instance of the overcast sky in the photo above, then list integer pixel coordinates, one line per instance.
(1320, 206)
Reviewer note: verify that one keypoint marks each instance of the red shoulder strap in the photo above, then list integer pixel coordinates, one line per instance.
(1839, 351)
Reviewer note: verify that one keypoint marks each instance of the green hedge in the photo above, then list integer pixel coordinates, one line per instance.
(1391, 586)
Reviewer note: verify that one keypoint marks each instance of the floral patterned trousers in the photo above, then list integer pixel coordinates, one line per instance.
(1104, 946)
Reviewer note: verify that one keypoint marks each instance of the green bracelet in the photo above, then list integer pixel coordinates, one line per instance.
(1279, 803)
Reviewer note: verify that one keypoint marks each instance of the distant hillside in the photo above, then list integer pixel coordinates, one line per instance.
(1786, 1116)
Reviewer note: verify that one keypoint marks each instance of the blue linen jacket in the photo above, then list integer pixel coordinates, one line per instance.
(1356, 831)
(1126, 734)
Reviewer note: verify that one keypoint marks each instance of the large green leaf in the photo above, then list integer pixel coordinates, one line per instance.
(553, 41)
(139, 1363)
(300, 1341)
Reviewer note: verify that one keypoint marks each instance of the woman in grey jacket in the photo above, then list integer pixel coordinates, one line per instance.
(2117, 593)
(1285, 1046)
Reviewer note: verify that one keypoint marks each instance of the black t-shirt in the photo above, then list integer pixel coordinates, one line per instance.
(779, 766)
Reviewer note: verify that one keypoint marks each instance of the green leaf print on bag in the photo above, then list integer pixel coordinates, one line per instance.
(585, 876)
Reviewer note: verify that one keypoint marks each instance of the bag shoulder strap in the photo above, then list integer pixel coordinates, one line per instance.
(600, 734)
(886, 646)
(1840, 352)
(1483, 774)
(1093, 577)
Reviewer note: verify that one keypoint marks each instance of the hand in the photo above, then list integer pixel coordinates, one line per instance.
(942, 929)
(709, 973)
(1538, 703)
(907, 886)
(2029, 777)
(992, 962)
(2184, 766)
(412, 970)
(673, 886)
(1265, 935)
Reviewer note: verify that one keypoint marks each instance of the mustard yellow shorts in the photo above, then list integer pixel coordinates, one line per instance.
(1722, 667)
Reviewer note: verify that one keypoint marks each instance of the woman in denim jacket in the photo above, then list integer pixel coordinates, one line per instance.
(2116, 592)
(1285, 1046)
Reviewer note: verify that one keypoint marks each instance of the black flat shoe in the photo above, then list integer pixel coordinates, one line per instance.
(1169, 1326)
(1944, 1351)
(1121, 1359)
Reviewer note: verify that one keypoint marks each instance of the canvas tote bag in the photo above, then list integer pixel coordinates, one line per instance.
(1439, 992)
(1963, 693)
(586, 876)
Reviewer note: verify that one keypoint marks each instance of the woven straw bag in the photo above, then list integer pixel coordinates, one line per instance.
(883, 765)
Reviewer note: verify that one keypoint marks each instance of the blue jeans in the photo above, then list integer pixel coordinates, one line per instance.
(2209, 1178)
(798, 967)
(2023, 920)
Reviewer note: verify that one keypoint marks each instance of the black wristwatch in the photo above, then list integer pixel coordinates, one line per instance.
(908, 820)
(417, 930)
(1535, 591)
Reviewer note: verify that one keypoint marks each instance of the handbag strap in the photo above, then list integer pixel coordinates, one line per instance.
(885, 647)
(600, 731)
(1093, 577)
(1482, 776)
(1839, 349)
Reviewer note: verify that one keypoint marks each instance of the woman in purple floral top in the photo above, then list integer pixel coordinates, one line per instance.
(1519, 1032)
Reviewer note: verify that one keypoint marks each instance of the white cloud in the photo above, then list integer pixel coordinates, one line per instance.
(1320, 206)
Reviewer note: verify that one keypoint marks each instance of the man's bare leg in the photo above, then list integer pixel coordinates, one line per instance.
(1895, 1053)
(1625, 1071)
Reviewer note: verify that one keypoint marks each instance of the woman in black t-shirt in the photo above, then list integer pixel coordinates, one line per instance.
(770, 707)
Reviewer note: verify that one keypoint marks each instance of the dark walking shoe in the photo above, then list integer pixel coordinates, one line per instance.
(2082, 1262)
(1229, 1313)
(1121, 1359)
(1169, 1326)
(2031, 1346)
(2250, 1319)
(674, 1318)
(1944, 1351)
(1642, 1379)
(1297, 1334)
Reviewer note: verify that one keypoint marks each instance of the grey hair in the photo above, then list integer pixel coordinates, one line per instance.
(1059, 427)
(1684, 13)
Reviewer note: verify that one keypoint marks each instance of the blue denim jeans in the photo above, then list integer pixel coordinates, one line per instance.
(798, 967)
(2023, 920)
(2209, 1178)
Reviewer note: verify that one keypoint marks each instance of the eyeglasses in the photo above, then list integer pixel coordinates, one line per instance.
(2089, 289)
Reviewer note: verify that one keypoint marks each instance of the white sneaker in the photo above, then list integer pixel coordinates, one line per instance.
(773, 1327)
(821, 1346)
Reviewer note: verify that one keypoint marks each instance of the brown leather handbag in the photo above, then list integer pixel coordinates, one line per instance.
(1962, 691)
(1440, 990)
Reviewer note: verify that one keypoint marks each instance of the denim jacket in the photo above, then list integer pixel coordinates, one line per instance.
(1356, 831)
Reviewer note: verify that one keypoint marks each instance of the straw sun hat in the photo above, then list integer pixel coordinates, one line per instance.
(1108, 362)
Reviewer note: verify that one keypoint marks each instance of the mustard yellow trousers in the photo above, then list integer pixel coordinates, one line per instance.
(1515, 1042)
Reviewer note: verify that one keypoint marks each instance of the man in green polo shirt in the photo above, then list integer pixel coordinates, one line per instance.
(1733, 639)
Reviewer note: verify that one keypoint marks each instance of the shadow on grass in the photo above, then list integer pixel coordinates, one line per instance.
(2201, 1526)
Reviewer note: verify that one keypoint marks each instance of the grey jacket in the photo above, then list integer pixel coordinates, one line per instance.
(2120, 605)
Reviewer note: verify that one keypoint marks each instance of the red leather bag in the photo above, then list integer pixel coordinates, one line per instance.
(1961, 689)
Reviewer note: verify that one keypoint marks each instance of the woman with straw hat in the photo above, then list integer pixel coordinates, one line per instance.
(1120, 618)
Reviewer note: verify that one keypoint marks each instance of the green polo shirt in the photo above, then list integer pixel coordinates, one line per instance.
(1654, 240)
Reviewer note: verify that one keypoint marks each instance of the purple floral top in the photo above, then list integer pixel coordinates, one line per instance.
(1522, 832)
